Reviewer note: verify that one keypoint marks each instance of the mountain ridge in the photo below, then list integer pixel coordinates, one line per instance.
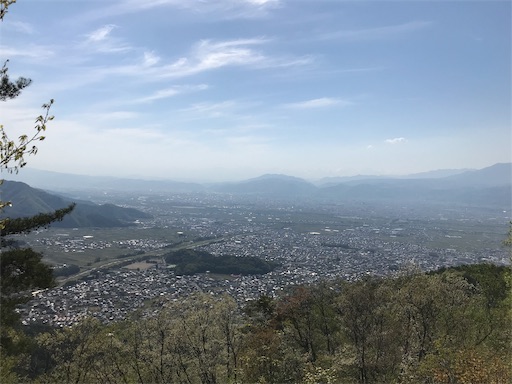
(486, 186)
(28, 201)
(50, 180)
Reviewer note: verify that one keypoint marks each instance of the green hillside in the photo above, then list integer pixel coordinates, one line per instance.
(445, 327)
(27, 201)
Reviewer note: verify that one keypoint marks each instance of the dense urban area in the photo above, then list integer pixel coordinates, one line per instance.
(308, 241)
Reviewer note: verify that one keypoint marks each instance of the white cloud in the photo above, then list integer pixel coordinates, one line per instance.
(220, 8)
(396, 140)
(235, 52)
(101, 40)
(150, 59)
(319, 103)
(169, 92)
(21, 27)
(204, 56)
(263, 2)
(220, 109)
(207, 55)
(39, 52)
(101, 34)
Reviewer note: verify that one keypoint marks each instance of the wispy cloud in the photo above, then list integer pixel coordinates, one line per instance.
(396, 140)
(213, 110)
(169, 92)
(100, 34)
(101, 40)
(323, 102)
(150, 59)
(116, 115)
(207, 55)
(239, 130)
(20, 26)
(203, 56)
(32, 51)
(263, 2)
(248, 140)
(221, 8)
(376, 33)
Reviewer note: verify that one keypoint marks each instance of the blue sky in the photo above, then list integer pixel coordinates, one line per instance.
(232, 89)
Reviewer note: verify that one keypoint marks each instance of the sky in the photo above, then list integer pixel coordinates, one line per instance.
(222, 90)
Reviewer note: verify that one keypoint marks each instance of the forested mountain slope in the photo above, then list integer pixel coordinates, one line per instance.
(28, 201)
(451, 326)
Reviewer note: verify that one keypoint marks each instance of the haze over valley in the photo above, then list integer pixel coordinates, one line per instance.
(335, 229)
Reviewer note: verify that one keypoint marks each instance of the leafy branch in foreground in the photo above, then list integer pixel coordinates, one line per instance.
(4, 4)
(22, 270)
(28, 224)
(14, 152)
(11, 89)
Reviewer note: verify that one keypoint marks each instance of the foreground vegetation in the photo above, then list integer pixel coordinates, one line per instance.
(451, 326)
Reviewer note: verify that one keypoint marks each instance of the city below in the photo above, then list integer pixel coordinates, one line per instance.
(121, 272)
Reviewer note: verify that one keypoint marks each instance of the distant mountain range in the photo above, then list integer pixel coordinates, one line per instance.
(28, 201)
(270, 184)
(489, 186)
(486, 187)
(56, 181)
(330, 181)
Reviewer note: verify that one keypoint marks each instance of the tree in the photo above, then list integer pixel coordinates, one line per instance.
(414, 328)
(21, 269)
(12, 153)
(4, 4)
(371, 330)
(193, 341)
(508, 240)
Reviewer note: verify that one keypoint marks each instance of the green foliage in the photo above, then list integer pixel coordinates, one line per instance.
(194, 341)
(11, 89)
(267, 357)
(490, 279)
(190, 261)
(415, 328)
(28, 224)
(21, 271)
(508, 240)
(260, 310)
(12, 153)
(4, 5)
(67, 270)
(7, 366)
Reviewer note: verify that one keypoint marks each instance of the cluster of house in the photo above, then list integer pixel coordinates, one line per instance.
(302, 257)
